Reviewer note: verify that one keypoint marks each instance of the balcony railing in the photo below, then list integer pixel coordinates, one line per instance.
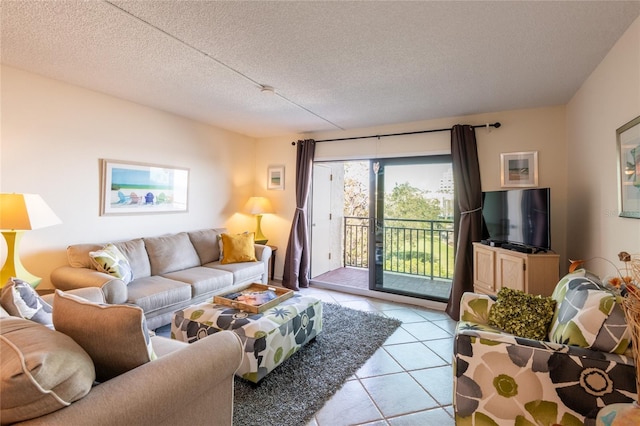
(411, 246)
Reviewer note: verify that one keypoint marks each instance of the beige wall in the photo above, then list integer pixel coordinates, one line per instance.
(541, 130)
(608, 99)
(53, 135)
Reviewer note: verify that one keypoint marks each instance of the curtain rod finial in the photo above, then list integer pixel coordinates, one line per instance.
(497, 125)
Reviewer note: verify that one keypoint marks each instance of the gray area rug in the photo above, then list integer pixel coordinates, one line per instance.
(293, 392)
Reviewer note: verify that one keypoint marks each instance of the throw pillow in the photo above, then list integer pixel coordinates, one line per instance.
(522, 314)
(590, 317)
(113, 262)
(19, 299)
(42, 370)
(115, 336)
(238, 248)
(220, 246)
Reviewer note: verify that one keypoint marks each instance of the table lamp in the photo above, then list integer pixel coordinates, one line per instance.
(259, 206)
(19, 213)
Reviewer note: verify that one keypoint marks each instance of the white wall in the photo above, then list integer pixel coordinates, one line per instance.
(541, 130)
(608, 99)
(53, 135)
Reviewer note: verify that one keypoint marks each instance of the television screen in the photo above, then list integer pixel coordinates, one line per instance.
(518, 216)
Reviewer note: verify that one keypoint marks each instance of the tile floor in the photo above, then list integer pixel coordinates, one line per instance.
(406, 382)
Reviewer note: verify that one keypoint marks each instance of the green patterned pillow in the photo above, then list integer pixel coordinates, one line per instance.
(522, 314)
(113, 262)
(590, 317)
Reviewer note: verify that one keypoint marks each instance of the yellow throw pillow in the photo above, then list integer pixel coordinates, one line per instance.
(238, 248)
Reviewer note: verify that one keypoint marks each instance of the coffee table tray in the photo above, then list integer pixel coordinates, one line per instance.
(255, 298)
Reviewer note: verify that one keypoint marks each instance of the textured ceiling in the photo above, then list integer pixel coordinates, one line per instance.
(334, 65)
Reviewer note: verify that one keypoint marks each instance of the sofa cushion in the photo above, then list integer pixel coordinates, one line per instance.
(238, 248)
(42, 370)
(168, 253)
(19, 299)
(136, 252)
(157, 292)
(110, 260)
(590, 317)
(242, 272)
(115, 336)
(522, 314)
(202, 280)
(205, 242)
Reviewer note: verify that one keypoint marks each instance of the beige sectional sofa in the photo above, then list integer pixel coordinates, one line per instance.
(47, 378)
(170, 272)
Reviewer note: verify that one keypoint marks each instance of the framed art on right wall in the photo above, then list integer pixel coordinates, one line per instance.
(628, 143)
(519, 169)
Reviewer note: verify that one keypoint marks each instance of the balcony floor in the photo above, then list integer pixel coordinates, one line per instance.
(359, 278)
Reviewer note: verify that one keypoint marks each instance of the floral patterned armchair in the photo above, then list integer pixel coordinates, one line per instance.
(502, 379)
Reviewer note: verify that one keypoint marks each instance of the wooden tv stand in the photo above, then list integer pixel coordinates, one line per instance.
(495, 267)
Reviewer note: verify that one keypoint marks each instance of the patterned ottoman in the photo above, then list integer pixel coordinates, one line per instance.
(269, 338)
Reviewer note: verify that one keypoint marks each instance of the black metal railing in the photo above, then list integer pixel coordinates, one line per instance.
(410, 246)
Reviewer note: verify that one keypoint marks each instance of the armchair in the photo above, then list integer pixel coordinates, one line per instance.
(502, 379)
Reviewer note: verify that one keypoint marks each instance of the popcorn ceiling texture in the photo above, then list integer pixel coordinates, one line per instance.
(334, 65)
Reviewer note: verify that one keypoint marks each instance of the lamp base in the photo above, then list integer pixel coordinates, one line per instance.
(13, 267)
(260, 238)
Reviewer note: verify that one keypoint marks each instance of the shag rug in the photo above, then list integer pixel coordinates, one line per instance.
(293, 392)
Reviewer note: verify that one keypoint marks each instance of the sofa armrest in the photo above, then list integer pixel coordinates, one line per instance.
(263, 254)
(69, 278)
(193, 385)
(474, 307)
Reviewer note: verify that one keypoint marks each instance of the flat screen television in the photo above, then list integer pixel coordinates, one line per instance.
(518, 216)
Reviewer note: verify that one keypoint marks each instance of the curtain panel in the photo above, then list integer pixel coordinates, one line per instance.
(297, 257)
(468, 211)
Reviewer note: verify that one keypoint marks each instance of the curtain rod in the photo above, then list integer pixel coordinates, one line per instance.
(496, 125)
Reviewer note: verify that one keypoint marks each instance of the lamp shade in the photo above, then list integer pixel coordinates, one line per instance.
(22, 212)
(258, 205)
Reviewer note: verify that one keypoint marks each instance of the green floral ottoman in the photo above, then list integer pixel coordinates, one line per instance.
(269, 338)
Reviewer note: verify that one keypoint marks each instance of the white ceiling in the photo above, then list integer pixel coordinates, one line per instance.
(334, 64)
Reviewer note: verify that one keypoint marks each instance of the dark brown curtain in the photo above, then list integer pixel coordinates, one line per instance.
(468, 211)
(296, 261)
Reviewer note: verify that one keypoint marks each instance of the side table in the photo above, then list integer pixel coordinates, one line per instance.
(274, 249)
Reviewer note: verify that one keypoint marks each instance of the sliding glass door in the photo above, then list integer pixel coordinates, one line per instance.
(384, 225)
(411, 241)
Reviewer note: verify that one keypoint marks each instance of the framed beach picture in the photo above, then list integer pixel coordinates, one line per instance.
(139, 188)
(519, 169)
(628, 141)
(275, 177)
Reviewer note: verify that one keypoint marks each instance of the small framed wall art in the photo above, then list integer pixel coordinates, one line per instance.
(275, 177)
(139, 188)
(628, 140)
(519, 169)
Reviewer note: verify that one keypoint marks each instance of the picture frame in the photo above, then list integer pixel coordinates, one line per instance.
(628, 153)
(519, 169)
(139, 188)
(275, 178)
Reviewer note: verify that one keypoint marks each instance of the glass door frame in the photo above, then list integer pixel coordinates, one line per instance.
(376, 207)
